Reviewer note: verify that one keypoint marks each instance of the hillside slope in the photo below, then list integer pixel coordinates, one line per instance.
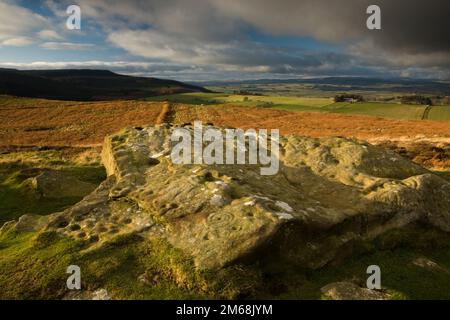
(85, 85)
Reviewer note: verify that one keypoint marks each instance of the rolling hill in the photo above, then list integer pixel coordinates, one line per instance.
(370, 88)
(86, 85)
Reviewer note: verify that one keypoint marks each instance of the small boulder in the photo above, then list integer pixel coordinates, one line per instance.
(57, 184)
(30, 222)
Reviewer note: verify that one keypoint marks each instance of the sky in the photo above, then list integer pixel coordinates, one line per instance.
(199, 40)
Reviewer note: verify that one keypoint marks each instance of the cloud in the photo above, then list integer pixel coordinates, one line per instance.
(49, 35)
(66, 46)
(17, 20)
(186, 72)
(22, 27)
(136, 68)
(17, 42)
(219, 36)
(409, 26)
(414, 32)
(238, 55)
(123, 66)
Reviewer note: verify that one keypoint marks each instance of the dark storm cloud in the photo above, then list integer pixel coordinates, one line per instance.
(415, 26)
(409, 27)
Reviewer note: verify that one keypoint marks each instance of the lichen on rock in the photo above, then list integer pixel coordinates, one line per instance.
(328, 193)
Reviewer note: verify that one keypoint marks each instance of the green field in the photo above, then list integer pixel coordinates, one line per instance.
(439, 113)
(386, 110)
(313, 104)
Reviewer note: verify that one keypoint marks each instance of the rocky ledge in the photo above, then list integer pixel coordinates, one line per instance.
(328, 194)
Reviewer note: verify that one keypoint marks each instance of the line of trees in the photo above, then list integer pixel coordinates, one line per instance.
(416, 99)
(347, 97)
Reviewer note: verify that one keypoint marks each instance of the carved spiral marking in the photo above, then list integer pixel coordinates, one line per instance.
(220, 219)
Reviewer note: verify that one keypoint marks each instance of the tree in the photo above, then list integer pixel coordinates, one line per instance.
(348, 97)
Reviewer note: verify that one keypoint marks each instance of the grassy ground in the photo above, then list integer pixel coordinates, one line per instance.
(394, 253)
(34, 267)
(17, 196)
(443, 174)
(439, 113)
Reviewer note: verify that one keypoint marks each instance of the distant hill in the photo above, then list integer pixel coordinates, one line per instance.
(350, 84)
(86, 85)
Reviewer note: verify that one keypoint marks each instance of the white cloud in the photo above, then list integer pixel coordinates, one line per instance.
(49, 34)
(21, 27)
(135, 68)
(17, 22)
(66, 46)
(154, 44)
(95, 64)
(17, 42)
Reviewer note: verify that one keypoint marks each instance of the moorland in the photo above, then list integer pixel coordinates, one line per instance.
(48, 135)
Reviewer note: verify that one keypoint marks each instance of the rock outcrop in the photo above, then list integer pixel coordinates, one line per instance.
(328, 193)
(351, 291)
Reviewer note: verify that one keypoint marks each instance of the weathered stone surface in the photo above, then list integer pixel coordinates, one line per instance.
(100, 294)
(29, 222)
(350, 291)
(98, 217)
(430, 265)
(55, 184)
(328, 193)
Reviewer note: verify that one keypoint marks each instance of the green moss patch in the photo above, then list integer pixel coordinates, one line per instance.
(17, 196)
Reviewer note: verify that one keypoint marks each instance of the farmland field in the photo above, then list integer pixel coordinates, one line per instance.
(313, 104)
(384, 110)
(439, 113)
(243, 100)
